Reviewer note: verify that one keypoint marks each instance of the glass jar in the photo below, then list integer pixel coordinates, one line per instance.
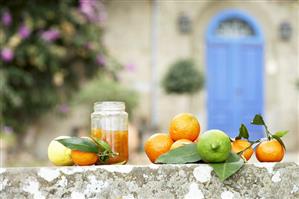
(109, 122)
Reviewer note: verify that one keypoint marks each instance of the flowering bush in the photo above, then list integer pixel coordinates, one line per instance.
(46, 49)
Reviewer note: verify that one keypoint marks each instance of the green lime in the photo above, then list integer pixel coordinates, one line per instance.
(214, 146)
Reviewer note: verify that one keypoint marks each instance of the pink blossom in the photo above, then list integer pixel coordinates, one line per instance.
(24, 31)
(50, 35)
(93, 10)
(88, 46)
(63, 108)
(100, 60)
(6, 18)
(7, 54)
(7, 130)
(130, 67)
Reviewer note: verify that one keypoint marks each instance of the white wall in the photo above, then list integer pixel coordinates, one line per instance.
(128, 39)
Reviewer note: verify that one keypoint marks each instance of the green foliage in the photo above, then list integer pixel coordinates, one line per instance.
(8, 138)
(243, 132)
(189, 154)
(258, 120)
(103, 89)
(61, 47)
(181, 155)
(281, 133)
(80, 144)
(183, 78)
(224, 170)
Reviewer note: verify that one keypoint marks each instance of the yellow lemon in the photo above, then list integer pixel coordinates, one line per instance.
(58, 154)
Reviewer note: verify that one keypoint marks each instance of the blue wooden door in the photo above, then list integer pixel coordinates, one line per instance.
(234, 59)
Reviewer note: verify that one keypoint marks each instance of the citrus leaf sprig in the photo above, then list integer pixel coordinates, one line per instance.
(88, 144)
(244, 133)
(80, 144)
(105, 150)
(258, 120)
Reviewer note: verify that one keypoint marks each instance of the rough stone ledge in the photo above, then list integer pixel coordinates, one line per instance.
(263, 180)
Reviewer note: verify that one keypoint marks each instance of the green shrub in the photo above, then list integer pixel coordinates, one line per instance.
(183, 78)
(103, 89)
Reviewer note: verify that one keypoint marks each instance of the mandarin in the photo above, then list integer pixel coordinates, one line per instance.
(84, 158)
(240, 145)
(269, 151)
(157, 145)
(184, 126)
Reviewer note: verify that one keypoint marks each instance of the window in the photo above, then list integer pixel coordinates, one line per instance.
(234, 28)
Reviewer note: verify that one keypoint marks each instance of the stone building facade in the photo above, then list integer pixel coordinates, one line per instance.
(129, 37)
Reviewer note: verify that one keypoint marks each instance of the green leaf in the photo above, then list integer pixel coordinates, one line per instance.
(104, 146)
(258, 120)
(80, 144)
(229, 167)
(279, 140)
(184, 154)
(243, 132)
(281, 133)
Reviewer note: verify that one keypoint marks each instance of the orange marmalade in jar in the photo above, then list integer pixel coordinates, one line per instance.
(109, 122)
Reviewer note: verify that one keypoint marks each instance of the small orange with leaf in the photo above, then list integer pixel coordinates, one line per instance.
(87, 150)
(240, 145)
(157, 145)
(272, 149)
(269, 151)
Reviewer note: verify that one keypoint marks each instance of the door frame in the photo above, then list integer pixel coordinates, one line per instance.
(212, 38)
(233, 13)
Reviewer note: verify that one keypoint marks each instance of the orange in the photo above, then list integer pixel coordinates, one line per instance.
(240, 145)
(83, 158)
(180, 143)
(269, 151)
(157, 145)
(184, 126)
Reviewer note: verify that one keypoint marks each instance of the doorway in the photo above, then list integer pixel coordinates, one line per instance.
(235, 65)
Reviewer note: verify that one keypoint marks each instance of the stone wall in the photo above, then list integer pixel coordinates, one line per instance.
(267, 180)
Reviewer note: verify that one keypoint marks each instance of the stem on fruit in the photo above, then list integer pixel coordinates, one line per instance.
(251, 143)
(269, 135)
(215, 146)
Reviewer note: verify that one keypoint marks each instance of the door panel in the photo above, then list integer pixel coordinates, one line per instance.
(219, 84)
(234, 86)
(250, 83)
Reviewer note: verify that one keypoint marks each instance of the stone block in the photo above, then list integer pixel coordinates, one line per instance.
(262, 180)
